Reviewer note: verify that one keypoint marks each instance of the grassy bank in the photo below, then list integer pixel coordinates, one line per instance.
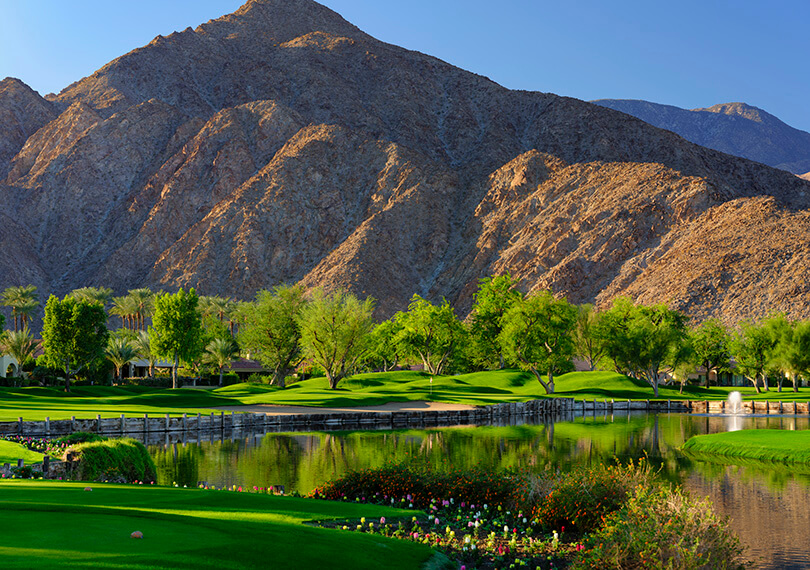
(60, 525)
(764, 446)
(10, 452)
(478, 388)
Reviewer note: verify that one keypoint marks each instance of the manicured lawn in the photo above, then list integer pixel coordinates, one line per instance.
(478, 388)
(60, 525)
(766, 445)
(10, 452)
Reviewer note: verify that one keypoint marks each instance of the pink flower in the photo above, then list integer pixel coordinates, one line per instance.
(382, 520)
(436, 520)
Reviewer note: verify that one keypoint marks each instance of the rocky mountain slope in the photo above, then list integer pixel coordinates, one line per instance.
(734, 128)
(282, 144)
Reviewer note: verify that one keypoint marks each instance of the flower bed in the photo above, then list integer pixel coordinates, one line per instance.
(489, 520)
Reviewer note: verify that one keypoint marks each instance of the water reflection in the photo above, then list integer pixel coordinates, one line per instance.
(766, 506)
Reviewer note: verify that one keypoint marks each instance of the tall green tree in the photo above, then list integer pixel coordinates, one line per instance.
(383, 346)
(495, 296)
(176, 332)
(270, 331)
(538, 333)
(334, 332)
(642, 341)
(220, 352)
(711, 346)
(74, 334)
(797, 355)
(23, 301)
(781, 331)
(430, 332)
(588, 346)
(120, 352)
(752, 347)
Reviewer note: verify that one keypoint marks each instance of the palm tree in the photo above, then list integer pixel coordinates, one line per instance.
(143, 300)
(144, 350)
(23, 301)
(221, 352)
(125, 308)
(20, 345)
(120, 353)
(100, 295)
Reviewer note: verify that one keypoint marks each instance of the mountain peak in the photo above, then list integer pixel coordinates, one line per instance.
(740, 109)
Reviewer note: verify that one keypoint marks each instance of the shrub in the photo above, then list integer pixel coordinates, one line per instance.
(477, 486)
(80, 437)
(123, 460)
(579, 499)
(156, 382)
(662, 528)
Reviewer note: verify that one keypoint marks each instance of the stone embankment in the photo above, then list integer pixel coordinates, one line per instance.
(268, 422)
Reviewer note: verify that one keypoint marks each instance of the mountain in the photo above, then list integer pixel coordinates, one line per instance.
(282, 144)
(733, 128)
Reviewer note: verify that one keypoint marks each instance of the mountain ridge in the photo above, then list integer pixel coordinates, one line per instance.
(257, 149)
(734, 128)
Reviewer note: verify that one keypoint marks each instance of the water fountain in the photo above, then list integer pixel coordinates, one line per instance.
(735, 403)
(734, 407)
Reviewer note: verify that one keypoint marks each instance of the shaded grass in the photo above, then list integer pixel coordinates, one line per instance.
(479, 388)
(65, 527)
(761, 446)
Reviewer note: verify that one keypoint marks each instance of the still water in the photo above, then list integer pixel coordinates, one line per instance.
(769, 508)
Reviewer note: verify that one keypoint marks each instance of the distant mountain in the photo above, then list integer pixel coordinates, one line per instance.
(734, 128)
(282, 144)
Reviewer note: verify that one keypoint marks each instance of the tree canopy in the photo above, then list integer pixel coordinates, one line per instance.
(74, 334)
(538, 334)
(334, 331)
(430, 332)
(270, 329)
(176, 332)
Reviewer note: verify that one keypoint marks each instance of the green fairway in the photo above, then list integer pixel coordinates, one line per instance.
(479, 388)
(10, 452)
(767, 446)
(62, 525)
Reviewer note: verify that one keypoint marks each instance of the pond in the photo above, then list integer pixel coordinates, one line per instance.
(768, 507)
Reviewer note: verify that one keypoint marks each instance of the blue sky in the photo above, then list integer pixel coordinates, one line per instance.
(686, 53)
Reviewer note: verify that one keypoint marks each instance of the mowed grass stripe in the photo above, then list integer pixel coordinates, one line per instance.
(66, 527)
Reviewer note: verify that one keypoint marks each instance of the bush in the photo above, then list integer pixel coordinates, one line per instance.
(80, 437)
(662, 528)
(156, 382)
(579, 499)
(119, 460)
(476, 486)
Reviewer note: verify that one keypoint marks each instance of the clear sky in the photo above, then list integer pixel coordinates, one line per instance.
(689, 53)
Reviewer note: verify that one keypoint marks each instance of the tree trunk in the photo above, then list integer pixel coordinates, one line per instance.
(707, 376)
(795, 382)
(548, 387)
(151, 370)
(67, 381)
(174, 369)
(220, 376)
(779, 382)
(333, 380)
(279, 375)
(755, 380)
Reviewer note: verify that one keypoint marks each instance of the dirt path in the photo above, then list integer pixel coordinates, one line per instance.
(418, 406)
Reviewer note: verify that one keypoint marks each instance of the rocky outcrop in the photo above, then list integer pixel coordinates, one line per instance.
(734, 128)
(22, 113)
(282, 144)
